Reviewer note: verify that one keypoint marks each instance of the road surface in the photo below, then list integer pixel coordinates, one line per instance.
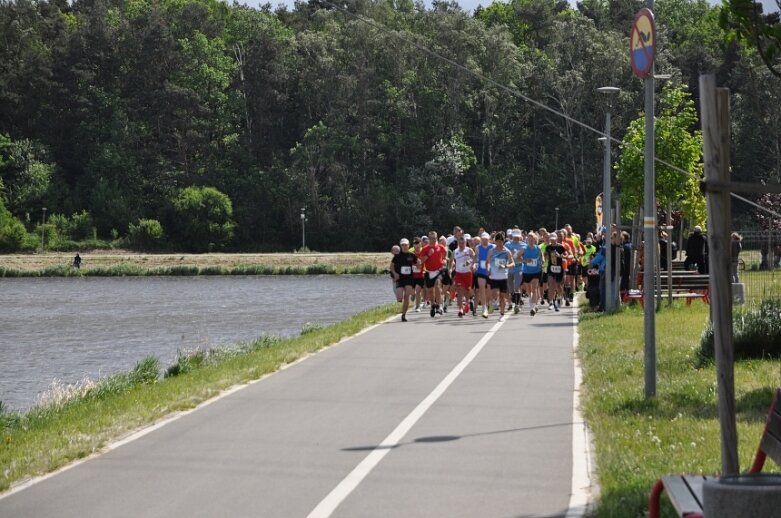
(436, 417)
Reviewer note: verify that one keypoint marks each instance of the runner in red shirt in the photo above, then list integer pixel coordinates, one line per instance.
(433, 257)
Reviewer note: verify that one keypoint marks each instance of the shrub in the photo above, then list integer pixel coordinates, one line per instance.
(203, 219)
(310, 327)
(147, 234)
(145, 372)
(12, 236)
(186, 362)
(756, 333)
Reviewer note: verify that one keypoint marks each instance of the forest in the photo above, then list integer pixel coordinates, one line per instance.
(196, 125)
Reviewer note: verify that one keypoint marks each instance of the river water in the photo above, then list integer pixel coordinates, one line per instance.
(67, 329)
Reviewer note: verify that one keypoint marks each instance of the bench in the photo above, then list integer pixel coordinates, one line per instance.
(686, 285)
(685, 491)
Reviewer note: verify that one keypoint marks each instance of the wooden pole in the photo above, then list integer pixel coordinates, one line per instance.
(669, 264)
(714, 107)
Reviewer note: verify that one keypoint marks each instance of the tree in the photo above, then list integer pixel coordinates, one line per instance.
(745, 20)
(677, 143)
(203, 219)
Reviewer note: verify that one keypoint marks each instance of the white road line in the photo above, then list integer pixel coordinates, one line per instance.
(580, 496)
(329, 504)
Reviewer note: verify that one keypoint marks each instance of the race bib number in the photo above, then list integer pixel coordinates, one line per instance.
(555, 269)
(531, 263)
(416, 269)
(482, 265)
(501, 263)
(406, 270)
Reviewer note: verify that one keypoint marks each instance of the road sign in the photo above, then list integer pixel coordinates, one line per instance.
(642, 43)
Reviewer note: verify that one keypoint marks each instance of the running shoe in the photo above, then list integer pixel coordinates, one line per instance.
(517, 309)
(472, 306)
(567, 302)
(532, 312)
(485, 313)
(417, 309)
(433, 310)
(501, 317)
(460, 314)
(403, 318)
(439, 309)
(556, 307)
(551, 306)
(444, 308)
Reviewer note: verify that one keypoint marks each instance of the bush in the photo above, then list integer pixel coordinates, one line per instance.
(756, 333)
(12, 236)
(203, 219)
(147, 234)
(186, 362)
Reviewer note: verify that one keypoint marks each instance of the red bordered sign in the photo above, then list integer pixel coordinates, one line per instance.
(642, 43)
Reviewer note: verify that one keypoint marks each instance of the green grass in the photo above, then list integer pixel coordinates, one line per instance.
(84, 420)
(133, 270)
(639, 440)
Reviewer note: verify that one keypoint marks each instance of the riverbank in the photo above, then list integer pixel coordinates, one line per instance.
(638, 440)
(124, 263)
(81, 420)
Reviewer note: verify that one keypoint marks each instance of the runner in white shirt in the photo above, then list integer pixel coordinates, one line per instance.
(465, 264)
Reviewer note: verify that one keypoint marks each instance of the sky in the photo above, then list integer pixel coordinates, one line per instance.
(469, 5)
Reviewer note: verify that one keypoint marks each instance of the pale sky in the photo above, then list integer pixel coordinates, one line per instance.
(469, 5)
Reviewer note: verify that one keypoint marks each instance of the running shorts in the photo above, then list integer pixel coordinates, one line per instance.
(573, 268)
(418, 281)
(529, 277)
(446, 280)
(432, 277)
(405, 280)
(464, 279)
(498, 284)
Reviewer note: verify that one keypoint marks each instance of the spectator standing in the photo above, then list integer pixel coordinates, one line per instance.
(695, 251)
(735, 248)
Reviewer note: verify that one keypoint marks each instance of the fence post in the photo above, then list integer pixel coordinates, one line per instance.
(714, 106)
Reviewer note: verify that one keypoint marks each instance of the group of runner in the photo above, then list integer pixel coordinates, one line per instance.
(490, 271)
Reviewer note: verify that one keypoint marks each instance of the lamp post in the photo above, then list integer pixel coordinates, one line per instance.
(43, 232)
(556, 227)
(303, 228)
(610, 302)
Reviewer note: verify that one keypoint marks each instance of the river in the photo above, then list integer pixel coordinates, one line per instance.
(67, 329)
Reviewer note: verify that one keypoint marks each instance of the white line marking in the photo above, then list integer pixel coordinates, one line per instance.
(21, 486)
(329, 504)
(581, 453)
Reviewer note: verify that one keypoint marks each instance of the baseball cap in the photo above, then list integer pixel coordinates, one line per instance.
(467, 237)
(485, 235)
(516, 233)
(424, 238)
(404, 241)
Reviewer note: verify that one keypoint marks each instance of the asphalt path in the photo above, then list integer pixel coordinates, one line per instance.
(439, 417)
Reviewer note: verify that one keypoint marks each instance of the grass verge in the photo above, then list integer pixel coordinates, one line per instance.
(49, 436)
(639, 440)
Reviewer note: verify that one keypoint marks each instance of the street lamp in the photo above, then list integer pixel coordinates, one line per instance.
(610, 302)
(556, 227)
(303, 228)
(43, 232)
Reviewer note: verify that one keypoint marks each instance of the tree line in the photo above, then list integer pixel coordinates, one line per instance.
(198, 125)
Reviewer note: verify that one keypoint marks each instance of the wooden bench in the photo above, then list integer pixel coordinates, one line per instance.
(685, 491)
(685, 285)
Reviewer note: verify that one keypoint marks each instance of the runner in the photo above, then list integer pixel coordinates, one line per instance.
(481, 272)
(516, 248)
(418, 275)
(463, 277)
(569, 241)
(500, 260)
(401, 267)
(447, 280)
(433, 257)
(396, 289)
(555, 255)
(532, 271)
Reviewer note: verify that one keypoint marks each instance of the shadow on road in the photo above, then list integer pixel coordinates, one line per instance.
(449, 438)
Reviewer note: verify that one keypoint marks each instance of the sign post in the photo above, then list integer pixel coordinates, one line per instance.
(642, 42)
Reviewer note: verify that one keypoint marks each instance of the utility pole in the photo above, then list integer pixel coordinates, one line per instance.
(610, 299)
